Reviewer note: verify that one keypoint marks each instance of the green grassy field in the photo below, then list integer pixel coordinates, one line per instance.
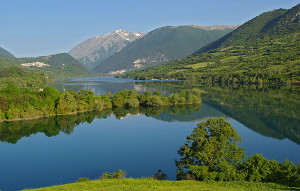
(151, 184)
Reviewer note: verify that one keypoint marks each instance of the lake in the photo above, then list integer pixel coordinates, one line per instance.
(141, 141)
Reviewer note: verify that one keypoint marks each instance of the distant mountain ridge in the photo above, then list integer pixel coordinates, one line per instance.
(4, 52)
(96, 49)
(161, 45)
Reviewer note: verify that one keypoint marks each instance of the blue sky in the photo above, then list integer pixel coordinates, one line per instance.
(44, 27)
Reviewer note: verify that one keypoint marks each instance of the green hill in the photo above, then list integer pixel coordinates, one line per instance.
(6, 61)
(56, 66)
(23, 79)
(4, 52)
(161, 45)
(263, 50)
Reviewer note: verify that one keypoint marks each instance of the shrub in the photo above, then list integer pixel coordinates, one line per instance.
(133, 103)
(160, 175)
(114, 175)
(157, 93)
(83, 179)
(154, 101)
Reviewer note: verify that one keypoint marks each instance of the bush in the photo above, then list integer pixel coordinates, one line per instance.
(114, 175)
(133, 103)
(173, 99)
(160, 175)
(154, 101)
(157, 93)
(83, 179)
(118, 100)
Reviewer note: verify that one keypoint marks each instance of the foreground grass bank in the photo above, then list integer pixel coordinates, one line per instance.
(152, 184)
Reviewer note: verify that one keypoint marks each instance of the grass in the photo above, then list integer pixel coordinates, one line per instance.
(151, 184)
(199, 65)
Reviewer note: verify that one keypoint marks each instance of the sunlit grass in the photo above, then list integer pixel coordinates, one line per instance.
(151, 184)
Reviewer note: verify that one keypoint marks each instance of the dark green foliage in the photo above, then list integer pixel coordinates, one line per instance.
(114, 175)
(211, 152)
(264, 50)
(259, 169)
(83, 179)
(161, 45)
(160, 175)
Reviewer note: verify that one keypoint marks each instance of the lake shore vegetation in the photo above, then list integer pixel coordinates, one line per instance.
(19, 104)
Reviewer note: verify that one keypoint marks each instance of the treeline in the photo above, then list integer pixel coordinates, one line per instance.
(16, 103)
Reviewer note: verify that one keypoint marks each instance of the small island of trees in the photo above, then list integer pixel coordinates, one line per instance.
(18, 104)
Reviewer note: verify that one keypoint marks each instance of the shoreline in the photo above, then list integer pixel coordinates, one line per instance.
(74, 113)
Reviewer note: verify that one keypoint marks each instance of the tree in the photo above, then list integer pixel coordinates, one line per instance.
(133, 103)
(160, 175)
(211, 152)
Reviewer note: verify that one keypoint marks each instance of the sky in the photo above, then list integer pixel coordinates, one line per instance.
(32, 28)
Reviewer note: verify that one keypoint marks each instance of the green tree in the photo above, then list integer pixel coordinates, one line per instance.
(133, 103)
(154, 101)
(211, 152)
(118, 100)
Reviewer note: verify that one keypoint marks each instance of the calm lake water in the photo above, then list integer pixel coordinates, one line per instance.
(59, 150)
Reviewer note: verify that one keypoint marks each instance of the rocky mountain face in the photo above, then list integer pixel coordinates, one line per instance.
(96, 49)
(162, 45)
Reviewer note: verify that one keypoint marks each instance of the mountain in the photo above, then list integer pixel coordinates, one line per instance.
(56, 66)
(162, 45)
(264, 50)
(276, 22)
(94, 50)
(4, 52)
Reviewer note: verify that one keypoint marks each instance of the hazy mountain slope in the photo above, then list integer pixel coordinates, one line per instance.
(161, 45)
(4, 52)
(56, 66)
(96, 49)
(263, 50)
(6, 61)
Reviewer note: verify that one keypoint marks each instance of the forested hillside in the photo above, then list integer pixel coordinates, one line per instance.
(263, 50)
(23, 79)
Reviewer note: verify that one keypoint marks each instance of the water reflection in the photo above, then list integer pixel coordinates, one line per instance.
(12, 132)
(272, 112)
